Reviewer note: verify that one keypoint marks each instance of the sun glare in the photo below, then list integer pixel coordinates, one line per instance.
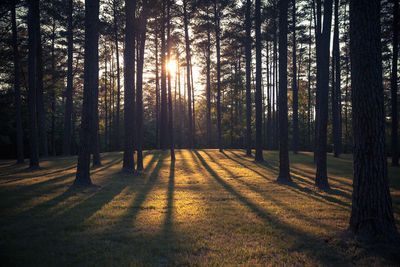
(171, 66)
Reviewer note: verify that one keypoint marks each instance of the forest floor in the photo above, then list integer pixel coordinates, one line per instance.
(207, 208)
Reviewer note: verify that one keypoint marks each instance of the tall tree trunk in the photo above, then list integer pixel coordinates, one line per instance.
(39, 92)
(164, 114)
(157, 94)
(294, 85)
(208, 93)
(336, 107)
(69, 91)
(248, 78)
(53, 91)
(323, 37)
(17, 89)
(117, 119)
(129, 87)
(106, 132)
(275, 89)
(309, 137)
(395, 123)
(284, 171)
(33, 9)
(269, 130)
(91, 80)
(139, 87)
(170, 113)
(372, 213)
(258, 98)
(218, 50)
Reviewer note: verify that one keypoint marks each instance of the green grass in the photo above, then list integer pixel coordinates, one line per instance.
(207, 208)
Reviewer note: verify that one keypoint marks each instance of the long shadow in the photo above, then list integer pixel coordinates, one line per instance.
(300, 189)
(257, 190)
(167, 236)
(302, 238)
(136, 206)
(297, 175)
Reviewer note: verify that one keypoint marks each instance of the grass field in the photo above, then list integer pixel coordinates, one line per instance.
(208, 208)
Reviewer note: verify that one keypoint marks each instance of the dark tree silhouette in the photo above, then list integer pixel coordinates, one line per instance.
(129, 87)
(218, 51)
(322, 33)
(139, 85)
(294, 84)
(395, 45)
(258, 97)
(91, 81)
(248, 77)
(164, 114)
(188, 83)
(336, 94)
(170, 112)
(371, 213)
(33, 19)
(284, 171)
(17, 88)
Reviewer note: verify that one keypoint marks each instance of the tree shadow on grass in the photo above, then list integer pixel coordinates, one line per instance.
(314, 194)
(266, 196)
(303, 239)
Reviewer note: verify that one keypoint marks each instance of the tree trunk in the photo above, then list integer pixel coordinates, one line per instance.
(371, 214)
(164, 114)
(284, 171)
(258, 99)
(39, 90)
(117, 135)
(218, 50)
(53, 92)
(323, 37)
(157, 94)
(91, 80)
(170, 113)
(106, 133)
(69, 91)
(309, 87)
(208, 93)
(395, 123)
(129, 87)
(139, 87)
(17, 89)
(294, 85)
(336, 107)
(33, 6)
(248, 78)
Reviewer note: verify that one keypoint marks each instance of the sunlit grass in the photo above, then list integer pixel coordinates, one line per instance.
(207, 208)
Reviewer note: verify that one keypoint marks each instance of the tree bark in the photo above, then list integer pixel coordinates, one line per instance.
(372, 213)
(129, 87)
(117, 135)
(322, 37)
(208, 92)
(32, 66)
(17, 89)
(69, 91)
(91, 80)
(258, 99)
(41, 115)
(294, 85)
(284, 171)
(336, 94)
(139, 87)
(395, 123)
(218, 51)
(164, 114)
(248, 77)
(170, 112)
